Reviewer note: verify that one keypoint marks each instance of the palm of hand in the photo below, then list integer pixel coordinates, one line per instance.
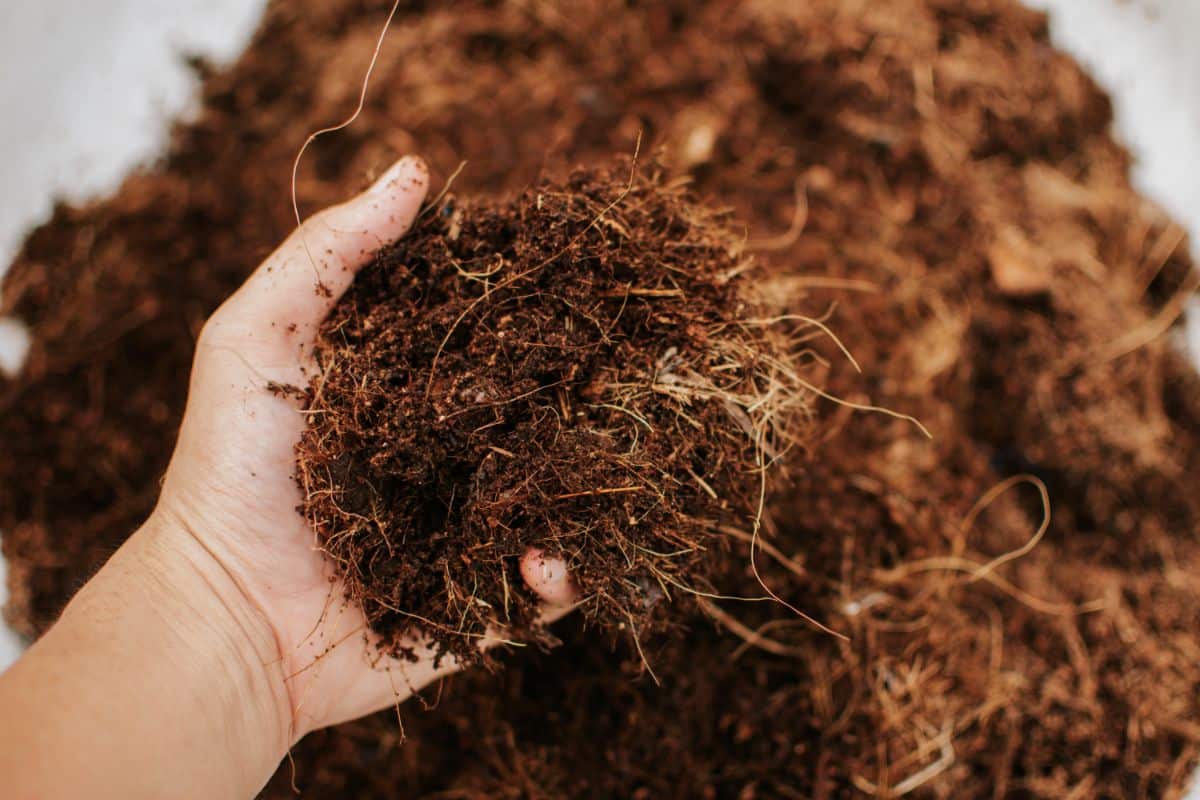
(230, 481)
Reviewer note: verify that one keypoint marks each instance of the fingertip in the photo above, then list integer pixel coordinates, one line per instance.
(392, 202)
(407, 177)
(547, 576)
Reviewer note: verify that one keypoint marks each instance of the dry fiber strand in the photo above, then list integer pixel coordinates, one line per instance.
(584, 370)
(930, 178)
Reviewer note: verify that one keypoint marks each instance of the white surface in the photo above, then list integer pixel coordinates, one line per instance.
(88, 92)
(10, 643)
(14, 344)
(1144, 52)
(89, 88)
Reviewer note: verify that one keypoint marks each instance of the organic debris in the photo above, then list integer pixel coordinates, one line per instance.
(583, 369)
(929, 173)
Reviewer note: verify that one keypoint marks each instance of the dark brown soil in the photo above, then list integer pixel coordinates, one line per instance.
(967, 215)
(584, 369)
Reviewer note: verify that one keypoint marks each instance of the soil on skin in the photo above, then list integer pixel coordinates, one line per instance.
(932, 174)
(583, 369)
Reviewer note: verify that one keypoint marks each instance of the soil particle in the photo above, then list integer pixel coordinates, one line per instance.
(931, 178)
(583, 369)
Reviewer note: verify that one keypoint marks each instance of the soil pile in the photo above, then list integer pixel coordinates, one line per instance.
(933, 174)
(583, 369)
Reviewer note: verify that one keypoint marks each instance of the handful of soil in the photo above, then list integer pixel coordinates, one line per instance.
(585, 369)
(944, 176)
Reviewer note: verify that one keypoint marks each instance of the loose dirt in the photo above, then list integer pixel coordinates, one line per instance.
(585, 370)
(931, 179)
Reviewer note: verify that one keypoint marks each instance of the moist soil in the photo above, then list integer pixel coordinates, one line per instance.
(590, 369)
(931, 179)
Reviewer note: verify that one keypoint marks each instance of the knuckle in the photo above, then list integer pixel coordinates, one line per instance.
(219, 331)
(210, 331)
(328, 224)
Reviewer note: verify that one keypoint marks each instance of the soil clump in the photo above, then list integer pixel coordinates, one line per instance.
(931, 178)
(590, 369)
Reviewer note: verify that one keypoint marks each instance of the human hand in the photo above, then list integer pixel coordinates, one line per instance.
(217, 635)
(230, 486)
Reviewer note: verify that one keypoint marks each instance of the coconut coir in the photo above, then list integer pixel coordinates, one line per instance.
(931, 168)
(583, 369)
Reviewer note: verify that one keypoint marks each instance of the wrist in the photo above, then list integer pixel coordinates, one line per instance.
(158, 680)
(201, 642)
(220, 626)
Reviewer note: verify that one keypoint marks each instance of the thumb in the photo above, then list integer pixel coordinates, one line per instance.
(292, 292)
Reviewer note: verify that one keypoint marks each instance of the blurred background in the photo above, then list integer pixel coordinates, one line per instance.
(91, 89)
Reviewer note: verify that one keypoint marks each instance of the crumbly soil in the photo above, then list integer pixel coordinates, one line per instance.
(589, 368)
(932, 175)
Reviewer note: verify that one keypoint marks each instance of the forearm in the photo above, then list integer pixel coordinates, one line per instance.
(150, 685)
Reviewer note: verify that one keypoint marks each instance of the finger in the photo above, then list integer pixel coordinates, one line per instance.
(390, 680)
(548, 578)
(289, 295)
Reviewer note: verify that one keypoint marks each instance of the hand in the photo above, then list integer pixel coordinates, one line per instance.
(216, 635)
(230, 484)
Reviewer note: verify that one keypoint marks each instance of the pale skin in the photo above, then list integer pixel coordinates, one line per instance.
(213, 639)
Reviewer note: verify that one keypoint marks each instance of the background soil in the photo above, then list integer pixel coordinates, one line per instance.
(968, 220)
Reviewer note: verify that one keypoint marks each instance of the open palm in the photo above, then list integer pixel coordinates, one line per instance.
(230, 483)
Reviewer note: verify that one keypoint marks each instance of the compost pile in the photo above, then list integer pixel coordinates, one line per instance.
(589, 369)
(931, 179)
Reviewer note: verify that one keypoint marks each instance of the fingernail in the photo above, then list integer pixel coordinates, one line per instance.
(410, 168)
